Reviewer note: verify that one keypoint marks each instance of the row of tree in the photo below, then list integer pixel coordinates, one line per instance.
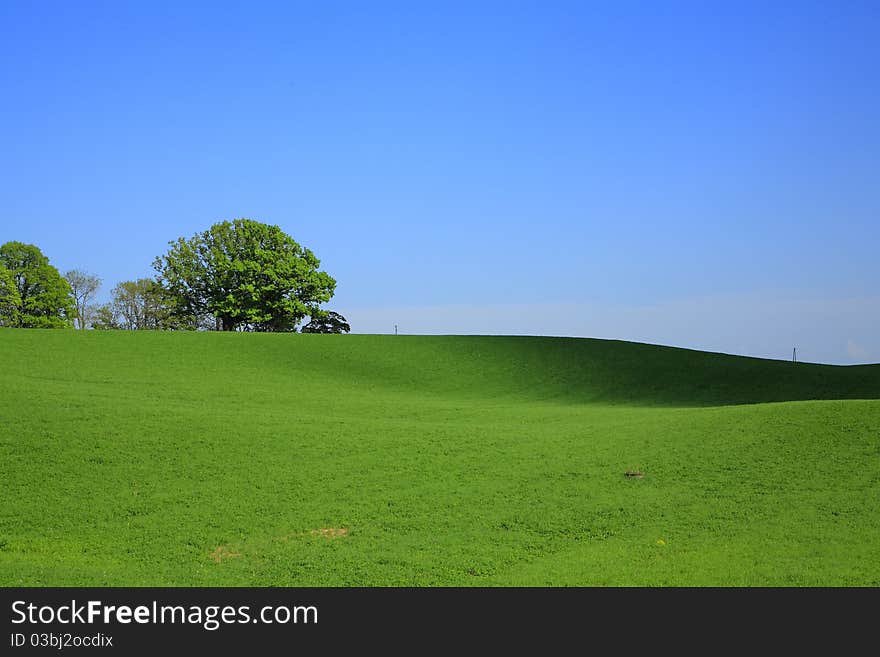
(239, 275)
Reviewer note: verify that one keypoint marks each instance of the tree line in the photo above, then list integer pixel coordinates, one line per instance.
(240, 275)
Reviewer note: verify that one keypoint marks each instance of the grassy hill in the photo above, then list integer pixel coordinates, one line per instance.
(258, 459)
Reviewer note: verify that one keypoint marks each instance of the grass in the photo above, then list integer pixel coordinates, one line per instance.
(211, 459)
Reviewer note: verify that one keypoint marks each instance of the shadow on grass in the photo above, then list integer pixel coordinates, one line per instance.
(588, 370)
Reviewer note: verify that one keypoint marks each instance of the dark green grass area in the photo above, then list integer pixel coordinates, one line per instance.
(255, 459)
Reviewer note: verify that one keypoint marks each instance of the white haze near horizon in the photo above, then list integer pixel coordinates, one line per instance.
(834, 331)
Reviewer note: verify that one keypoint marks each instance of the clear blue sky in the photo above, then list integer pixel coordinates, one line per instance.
(703, 174)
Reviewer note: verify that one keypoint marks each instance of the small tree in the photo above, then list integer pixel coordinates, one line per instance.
(328, 322)
(83, 287)
(43, 295)
(140, 305)
(104, 318)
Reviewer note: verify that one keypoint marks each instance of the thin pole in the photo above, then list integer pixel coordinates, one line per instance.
(794, 355)
(395, 329)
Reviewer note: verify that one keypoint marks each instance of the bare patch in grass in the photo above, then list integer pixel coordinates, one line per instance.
(330, 532)
(223, 552)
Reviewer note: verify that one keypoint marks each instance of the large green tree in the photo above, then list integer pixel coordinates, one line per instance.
(44, 299)
(247, 275)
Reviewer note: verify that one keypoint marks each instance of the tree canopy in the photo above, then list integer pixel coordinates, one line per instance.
(43, 297)
(246, 274)
(10, 300)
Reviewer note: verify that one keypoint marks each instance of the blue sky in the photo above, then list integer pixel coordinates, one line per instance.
(702, 174)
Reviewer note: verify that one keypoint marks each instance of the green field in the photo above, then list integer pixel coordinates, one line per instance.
(227, 459)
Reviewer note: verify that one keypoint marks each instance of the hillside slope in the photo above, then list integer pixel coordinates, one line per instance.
(534, 368)
(246, 459)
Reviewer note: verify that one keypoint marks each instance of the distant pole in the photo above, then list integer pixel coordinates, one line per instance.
(794, 355)
(395, 329)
